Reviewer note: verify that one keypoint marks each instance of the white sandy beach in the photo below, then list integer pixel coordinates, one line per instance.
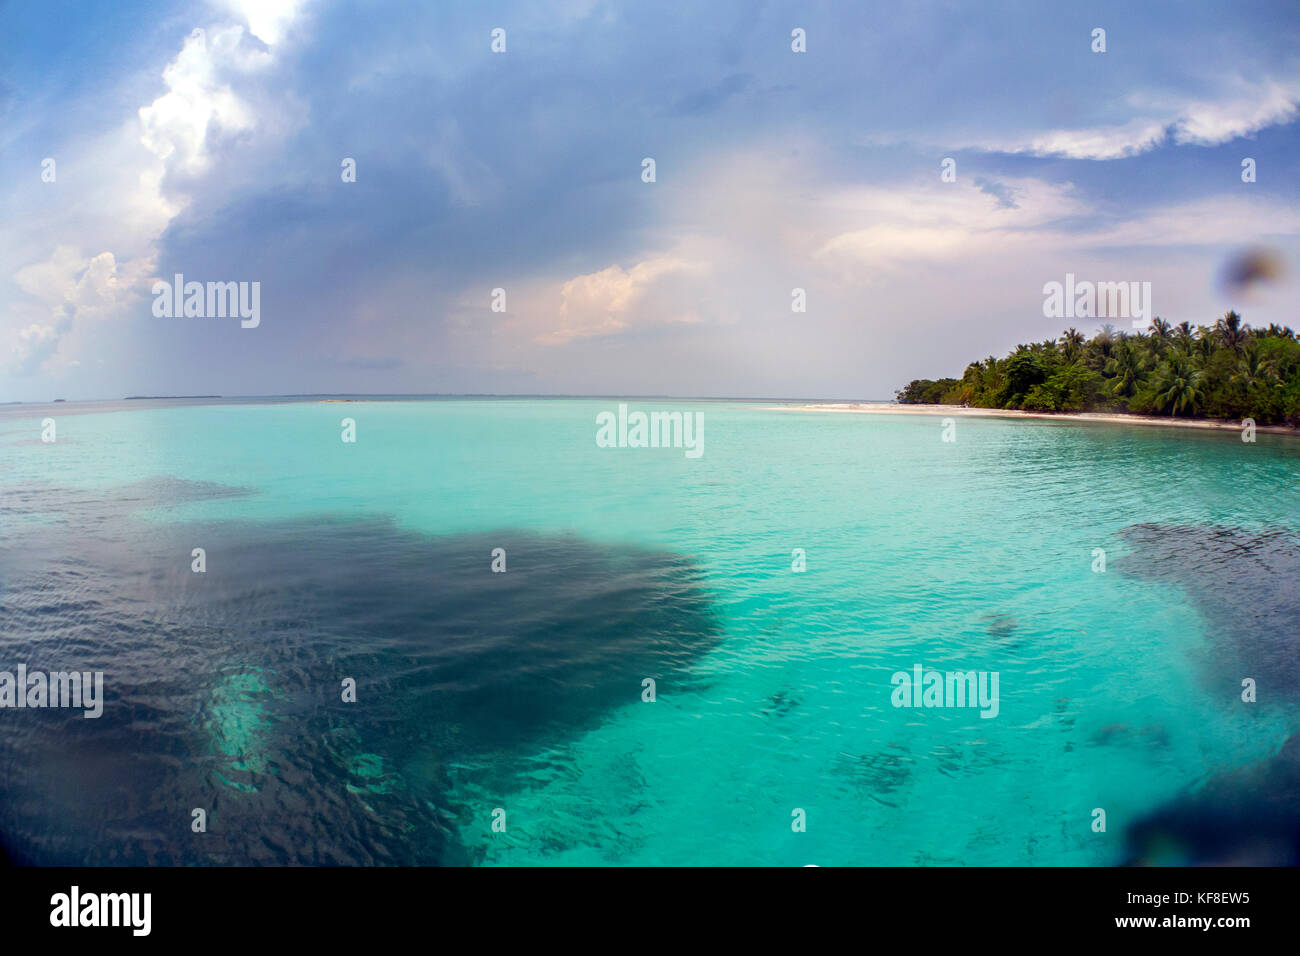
(961, 411)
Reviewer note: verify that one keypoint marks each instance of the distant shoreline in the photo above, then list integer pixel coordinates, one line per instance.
(962, 411)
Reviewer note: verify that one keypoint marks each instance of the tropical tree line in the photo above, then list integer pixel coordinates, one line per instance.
(1226, 370)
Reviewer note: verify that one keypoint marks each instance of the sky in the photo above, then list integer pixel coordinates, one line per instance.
(209, 139)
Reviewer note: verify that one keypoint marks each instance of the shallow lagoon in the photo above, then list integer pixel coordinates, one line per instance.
(523, 691)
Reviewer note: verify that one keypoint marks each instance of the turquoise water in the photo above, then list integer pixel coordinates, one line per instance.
(970, 555)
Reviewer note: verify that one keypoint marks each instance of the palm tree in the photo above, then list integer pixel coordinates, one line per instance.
(1127, 367)
(1071, 344)
(1160, 329)
(991, 381)
(1230, 331)
(1205, 343)
(1105, 341)
(1178, 384)
(1253, 370)
(1183, 336)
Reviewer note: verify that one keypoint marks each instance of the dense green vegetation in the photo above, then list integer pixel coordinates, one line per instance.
(1227, 370)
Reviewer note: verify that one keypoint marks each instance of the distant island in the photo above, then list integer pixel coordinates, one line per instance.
(1225, 371)
(141, 398)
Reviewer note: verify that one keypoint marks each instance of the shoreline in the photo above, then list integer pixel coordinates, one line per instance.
(961, 411)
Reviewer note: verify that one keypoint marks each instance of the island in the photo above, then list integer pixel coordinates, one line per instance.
(1224, 371)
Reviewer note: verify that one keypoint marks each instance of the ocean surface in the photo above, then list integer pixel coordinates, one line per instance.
(500, 718)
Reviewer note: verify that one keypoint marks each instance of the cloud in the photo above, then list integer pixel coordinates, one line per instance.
(178, 132)
(940, 223)
(604, 302)
(268, 20)
(1104, 142)
(1253, 107)
(89, 287)
(936, 221)
(70, 286)
(31, 347)
(1210, 221)
(197, 102)
(522, 171)
(1241, 109)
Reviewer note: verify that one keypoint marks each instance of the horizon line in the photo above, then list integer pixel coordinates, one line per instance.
(443, 395)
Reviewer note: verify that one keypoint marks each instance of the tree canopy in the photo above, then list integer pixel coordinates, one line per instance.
(1226, 370)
